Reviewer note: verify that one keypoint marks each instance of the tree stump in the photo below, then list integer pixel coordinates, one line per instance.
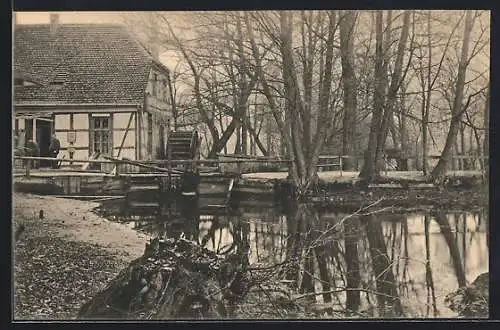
(174, 278)
(471, 300)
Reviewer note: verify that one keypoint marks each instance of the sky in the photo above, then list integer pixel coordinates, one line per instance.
(69, 17)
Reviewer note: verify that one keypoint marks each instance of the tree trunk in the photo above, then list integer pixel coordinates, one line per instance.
(324, 122)
(370, 170)
(427, 96)
(293, 102)
(347, 25)
(428, 269)
(440, 169)
(396, 82)
(486, 144)
(268, 135)
(351, 236)
(308, 45)
(237, 146)
(286, 141)
(324, 274)
(462, 147)
(403, 130)
(307, 284)
(388, 299)
(445, 227)
(425, 121)
(295, 128)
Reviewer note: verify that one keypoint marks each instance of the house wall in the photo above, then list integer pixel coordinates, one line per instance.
(156, 105)
(120, 121)
(137, 140)
(79, 122)
(159, 120)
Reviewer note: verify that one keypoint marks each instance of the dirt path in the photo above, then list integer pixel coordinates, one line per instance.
(74, 220)
(64, 258)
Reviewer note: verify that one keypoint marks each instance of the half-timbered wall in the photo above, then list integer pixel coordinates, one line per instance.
(80, 127)
(122, 137)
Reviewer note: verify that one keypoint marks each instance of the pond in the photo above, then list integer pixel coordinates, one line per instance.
(380, 264)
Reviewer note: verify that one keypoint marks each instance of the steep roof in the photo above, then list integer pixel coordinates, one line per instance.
(79, 64)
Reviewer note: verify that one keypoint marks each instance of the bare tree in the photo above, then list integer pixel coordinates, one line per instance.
(457, 109)
(303, 127)
(347, 25)
(383, 104)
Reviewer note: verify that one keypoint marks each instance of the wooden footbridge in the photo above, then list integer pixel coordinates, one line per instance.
(148, 187)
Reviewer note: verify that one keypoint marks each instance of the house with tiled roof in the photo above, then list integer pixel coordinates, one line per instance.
(93, 86)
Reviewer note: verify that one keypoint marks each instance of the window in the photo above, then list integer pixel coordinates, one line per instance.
(150, 134)
(101, 135)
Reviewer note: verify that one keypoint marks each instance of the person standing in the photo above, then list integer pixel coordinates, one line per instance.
(54, 147)
(21, 141)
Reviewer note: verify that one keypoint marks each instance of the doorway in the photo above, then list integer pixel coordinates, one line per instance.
(43, 135)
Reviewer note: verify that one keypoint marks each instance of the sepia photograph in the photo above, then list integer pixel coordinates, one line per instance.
(250, 165)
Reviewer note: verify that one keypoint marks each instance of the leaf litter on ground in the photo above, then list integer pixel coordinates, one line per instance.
(53, 276)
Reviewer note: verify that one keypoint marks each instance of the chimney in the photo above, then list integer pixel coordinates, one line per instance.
(54, 23)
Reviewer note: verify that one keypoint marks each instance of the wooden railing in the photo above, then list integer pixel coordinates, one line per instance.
(149, 164)
(325, 161)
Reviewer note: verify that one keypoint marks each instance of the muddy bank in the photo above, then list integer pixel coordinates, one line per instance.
(65, 255)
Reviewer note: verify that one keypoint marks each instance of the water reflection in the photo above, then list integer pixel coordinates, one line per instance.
(386, 265)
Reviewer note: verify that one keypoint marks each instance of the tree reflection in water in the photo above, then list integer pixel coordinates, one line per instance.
(382, 265)
(351, 237)
(447, 233)
(389, 303)
(431, 293)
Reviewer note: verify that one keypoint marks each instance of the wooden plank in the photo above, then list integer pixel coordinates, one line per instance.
(89, 197)
(104, 199)
(250, 190)
(386, 185)
(140, 164)
(143, 188)
(423, 186)
(144, 204)
(66, 160)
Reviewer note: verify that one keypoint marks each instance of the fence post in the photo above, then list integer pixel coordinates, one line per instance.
(28, 167)
(340, 162)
